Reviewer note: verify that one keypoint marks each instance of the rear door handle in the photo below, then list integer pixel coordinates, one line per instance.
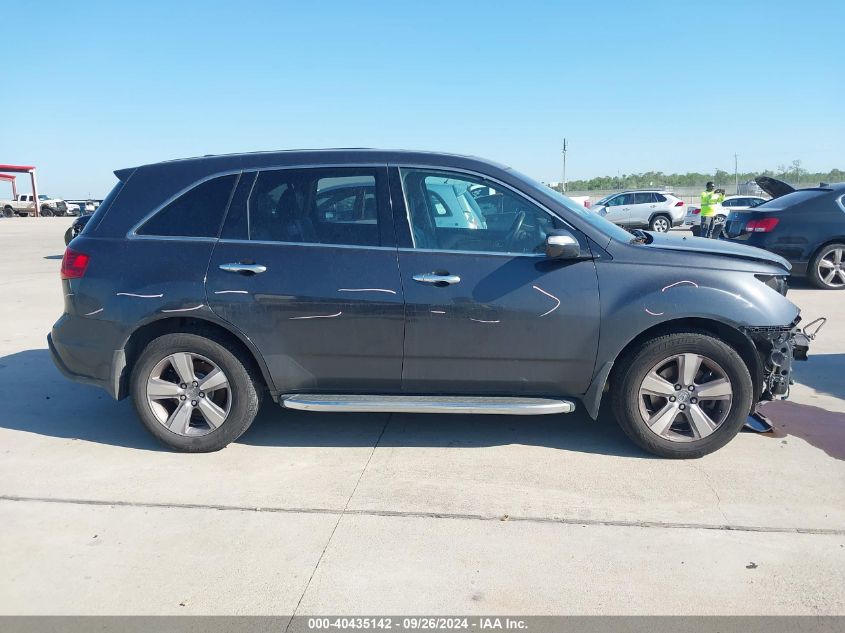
(437, 280)
(244, 269)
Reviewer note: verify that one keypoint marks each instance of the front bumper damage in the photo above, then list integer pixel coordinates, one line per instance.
(778, 348)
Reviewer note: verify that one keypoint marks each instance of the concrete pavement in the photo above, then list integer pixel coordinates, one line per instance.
(401, 514)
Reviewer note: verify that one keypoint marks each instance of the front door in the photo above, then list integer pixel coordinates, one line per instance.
(487, 312)
(618, 209)
(306, 268)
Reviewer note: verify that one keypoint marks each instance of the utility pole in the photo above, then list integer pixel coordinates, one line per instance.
(563, 181)
(736, 173)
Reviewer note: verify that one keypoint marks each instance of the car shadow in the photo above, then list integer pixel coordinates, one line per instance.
(38, 399)
(818, 427)
(53, 256)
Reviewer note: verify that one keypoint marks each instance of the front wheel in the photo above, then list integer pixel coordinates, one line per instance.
(194, 394)
(827, 270)
(682, 395)
(660, 224)
(47, 212)
(8, 212)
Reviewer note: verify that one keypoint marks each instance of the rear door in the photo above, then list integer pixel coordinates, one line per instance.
(645, 203)
(487, 312)
(306, 268)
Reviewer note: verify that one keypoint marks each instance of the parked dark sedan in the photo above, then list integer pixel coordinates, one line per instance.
(804, 226)
(370, 281)
(76, 227)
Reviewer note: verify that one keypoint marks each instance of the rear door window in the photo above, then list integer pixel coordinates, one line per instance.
(315, 206)
(196, 213)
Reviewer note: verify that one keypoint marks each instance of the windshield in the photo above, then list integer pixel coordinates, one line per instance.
(605, 199)
(43, 197)
(791, 199)
(594, 219)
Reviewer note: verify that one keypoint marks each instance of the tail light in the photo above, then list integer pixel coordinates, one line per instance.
(679, 203)
(695, 211)
(74, 264)
(764, 225)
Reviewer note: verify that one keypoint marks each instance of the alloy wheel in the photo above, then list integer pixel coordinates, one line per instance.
(660, 225)
(189, 394)
(685, 397)
(831, 268)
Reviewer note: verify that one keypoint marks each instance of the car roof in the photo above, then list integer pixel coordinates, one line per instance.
(662, 191)
(316, 157)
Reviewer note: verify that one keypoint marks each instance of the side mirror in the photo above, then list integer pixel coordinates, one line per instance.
(562, 245)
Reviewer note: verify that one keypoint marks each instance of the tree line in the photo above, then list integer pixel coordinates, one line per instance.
(794, 174)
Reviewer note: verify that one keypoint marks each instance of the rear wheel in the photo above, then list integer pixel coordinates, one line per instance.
(194, 394)
(827, 270)
(660, 224)
(682, 395)
(68, 235)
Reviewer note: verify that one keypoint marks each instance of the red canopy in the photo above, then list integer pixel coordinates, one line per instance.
(21, 169)
(17, 169)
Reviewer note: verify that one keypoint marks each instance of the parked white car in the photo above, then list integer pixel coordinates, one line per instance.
(80, 207)
(652, 209)
(731, 203)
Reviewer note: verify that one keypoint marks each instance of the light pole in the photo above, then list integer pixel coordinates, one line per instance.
(736, 173)
(563, 181)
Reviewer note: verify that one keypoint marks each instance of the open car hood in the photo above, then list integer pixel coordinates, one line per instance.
(774, 187)
(715, 247)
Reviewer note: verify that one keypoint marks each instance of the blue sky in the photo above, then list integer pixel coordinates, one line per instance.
(634, 86)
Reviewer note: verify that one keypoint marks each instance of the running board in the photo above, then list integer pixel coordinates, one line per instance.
(427, 404)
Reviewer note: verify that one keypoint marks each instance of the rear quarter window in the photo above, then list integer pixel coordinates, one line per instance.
(196, 213)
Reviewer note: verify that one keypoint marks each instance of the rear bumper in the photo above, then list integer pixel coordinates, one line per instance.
(84, 363)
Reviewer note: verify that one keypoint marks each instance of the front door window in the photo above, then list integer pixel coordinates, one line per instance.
(452, 212)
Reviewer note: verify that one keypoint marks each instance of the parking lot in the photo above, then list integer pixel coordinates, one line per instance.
(403, 514)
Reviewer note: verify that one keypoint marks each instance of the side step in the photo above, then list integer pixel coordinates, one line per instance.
(427, 404)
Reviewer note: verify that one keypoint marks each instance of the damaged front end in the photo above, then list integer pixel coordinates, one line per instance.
(778, 347)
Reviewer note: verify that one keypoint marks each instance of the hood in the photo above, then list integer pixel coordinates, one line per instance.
(774, 187)
(714, 247)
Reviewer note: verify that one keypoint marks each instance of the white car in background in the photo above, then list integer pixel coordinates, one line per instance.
(731, 203)
(652, 209)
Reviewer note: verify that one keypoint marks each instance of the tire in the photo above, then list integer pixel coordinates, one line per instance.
(696, 230)
(68, 235)
(830, 259)
(47, 212)
(680, 439)
(8, 212)
(236, 403)
(660, 223)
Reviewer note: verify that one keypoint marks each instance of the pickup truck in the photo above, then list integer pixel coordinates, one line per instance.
(24, 205)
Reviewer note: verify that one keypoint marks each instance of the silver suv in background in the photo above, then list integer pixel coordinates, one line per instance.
(653, 209)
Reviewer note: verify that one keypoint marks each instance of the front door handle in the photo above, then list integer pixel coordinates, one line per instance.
(437, 280)
(244, 269)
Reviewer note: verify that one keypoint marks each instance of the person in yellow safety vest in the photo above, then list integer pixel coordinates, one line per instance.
(710, 198)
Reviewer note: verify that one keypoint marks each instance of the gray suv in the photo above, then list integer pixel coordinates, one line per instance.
(365, 280)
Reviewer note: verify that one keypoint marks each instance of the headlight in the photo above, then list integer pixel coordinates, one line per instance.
(777, 283)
